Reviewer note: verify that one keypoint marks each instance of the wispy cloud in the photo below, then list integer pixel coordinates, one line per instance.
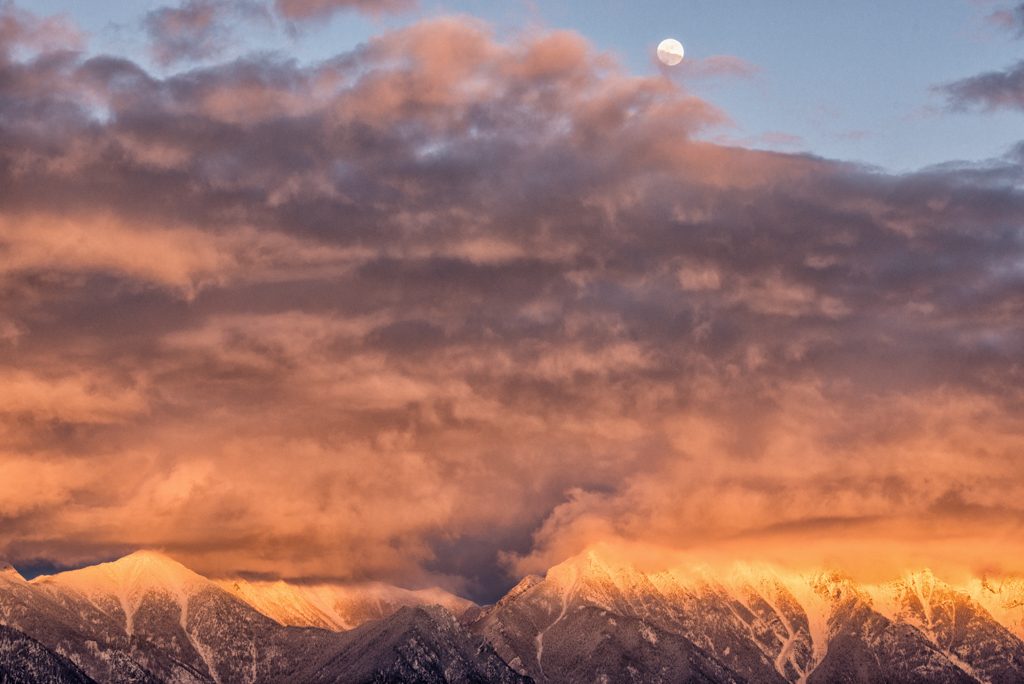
(305, 10)
(1010, 19)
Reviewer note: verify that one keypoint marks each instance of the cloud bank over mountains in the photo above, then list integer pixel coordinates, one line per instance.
(450, 308)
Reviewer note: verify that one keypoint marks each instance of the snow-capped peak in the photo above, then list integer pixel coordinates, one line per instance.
(136, 573)
(8, 572)
(127, 582)
(593, 565)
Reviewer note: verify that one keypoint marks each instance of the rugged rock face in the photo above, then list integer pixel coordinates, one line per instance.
(146, 618)
(864, 646)
(588, 622)
(23, 660)
(421, 644)
(173, 623)
(95, 641)
(753, 623)
(955, 624)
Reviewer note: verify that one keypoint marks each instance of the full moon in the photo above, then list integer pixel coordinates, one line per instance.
(670, 52)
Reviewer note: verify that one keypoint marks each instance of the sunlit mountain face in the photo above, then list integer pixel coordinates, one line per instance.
(366, 340)
(593, 617)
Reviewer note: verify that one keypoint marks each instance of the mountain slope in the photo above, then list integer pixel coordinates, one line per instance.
(336, 606)
(417, 644)
(201, 628)
(864, 646)
(23, 660)
(757, 623)
(955, 623)
(90, 638)
(1003, 598)
(589, 621)
(146, 618)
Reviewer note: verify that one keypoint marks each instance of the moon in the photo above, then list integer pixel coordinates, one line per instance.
(670, 52)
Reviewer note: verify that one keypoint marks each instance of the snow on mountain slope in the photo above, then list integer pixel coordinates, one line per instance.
(955, 623)
(92, 639)
(146, 617)
(336, 606)
(120, 587)
(423, 644)
(23, 660)
(203, 631)
(591, 619)
(7, 571)
(594, 617)
(1003, 598)
(759, 621)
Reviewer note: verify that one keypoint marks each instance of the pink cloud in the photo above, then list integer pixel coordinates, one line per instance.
(445, 293)
(305, 10)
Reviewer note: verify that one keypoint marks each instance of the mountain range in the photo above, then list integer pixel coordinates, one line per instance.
(147, 618)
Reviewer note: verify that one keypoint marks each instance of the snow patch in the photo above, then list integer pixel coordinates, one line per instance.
(337, 607)
(648, 634)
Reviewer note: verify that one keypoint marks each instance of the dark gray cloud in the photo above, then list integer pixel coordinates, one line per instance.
(191, 31)
(197, 30)
(990, 91)
(350, 319)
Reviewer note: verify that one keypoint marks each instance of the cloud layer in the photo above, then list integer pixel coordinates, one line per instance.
(446, 308)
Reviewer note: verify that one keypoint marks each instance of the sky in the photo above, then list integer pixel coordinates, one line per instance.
(442, 293)
(851, 81)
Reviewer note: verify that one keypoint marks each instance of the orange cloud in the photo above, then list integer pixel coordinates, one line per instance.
(445, 308)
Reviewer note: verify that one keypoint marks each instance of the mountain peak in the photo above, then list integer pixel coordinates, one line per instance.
(592, 564)
(8, 571)
(148, 560)
(134, 574)
(128, 581)
(147, 555)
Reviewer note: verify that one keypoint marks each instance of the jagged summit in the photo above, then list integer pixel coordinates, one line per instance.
(9, 572)
(759, 621)
(594, 617)
(595, 566)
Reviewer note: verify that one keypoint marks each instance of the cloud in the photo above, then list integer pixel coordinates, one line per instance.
(307, 10)
(196, 30)
(1010, 19)
(444, 300)
(990, 91)
(20, 29)
(200, 30)
(190, 31)
(717, 66)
